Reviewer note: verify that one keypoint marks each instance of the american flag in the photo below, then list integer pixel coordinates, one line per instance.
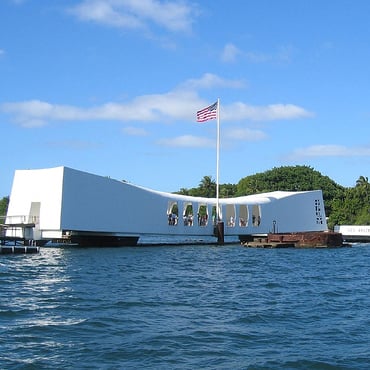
(207, 113)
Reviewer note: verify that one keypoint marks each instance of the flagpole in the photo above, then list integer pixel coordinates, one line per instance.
(203, 115)
(218, 160)
(220, 224)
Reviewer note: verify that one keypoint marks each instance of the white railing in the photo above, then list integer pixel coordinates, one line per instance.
(21, 219)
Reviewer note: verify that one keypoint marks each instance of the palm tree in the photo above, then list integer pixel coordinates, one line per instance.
(207, 187)
(363, 185)
(363, 182)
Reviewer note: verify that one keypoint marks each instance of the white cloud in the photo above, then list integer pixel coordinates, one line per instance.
(228, 136)
(72, 144)
(240, 111)
(258, 57)
(36, 113)
(282, 55)
(2, 52)
(187, 141)
(135, 131)
(230, 53)
(180, 104)
(330, 150)
(211, 81)
(244, 134)
(104, 13)
(157, 107)
(173, 16)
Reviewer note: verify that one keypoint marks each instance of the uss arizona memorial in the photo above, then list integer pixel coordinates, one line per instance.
(64, 204)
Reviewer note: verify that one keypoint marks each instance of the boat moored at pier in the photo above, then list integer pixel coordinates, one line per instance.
(354, 233)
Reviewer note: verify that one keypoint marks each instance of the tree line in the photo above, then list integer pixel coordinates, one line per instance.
(343, 205)
(4, 206)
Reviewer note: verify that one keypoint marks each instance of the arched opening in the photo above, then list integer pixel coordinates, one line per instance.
(214, 214)
(243, 215)
(230, 215)
(256, 215)
(202, 215)
(188, 215)
(172, 213)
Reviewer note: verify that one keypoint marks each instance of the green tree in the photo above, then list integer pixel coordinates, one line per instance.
(363, 185)
(227, 190)
(295, 178)
(342, 205)
(4, 206)
(363, 182)
(183, 191)
(207, 187)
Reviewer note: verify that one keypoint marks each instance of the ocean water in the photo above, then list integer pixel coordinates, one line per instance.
(186, 307)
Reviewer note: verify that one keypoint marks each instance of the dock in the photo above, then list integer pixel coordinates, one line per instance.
(17, 244)
(325, 239)
(263, 243)
(19, 249)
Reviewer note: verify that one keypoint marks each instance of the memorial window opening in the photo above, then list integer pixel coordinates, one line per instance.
(214, 214)
(243, 215)
(202, 215)
(230, 215)
(172, 213)
(188, 215)
(256, 215)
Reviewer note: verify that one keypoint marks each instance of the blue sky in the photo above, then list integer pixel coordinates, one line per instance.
(112, 87)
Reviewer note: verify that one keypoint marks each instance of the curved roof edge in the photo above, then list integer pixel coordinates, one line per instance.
(255, 198)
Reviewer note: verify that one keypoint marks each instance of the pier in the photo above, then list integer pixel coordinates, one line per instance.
(19, 249)
(12, 243)
(315, 239)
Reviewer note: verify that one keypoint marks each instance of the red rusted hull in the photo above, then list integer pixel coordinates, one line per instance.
(308, 239)
(313, 239)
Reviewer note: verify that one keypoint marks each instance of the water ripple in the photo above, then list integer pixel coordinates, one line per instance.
(186, 307)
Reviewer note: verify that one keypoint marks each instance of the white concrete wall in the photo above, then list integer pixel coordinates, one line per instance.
(76, 200)
(97, 203)
(44, 186)
(295, 213)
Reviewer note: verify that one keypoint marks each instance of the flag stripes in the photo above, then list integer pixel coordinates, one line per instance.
(207, 113)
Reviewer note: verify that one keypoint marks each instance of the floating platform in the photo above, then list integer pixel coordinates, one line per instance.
(19, 249)
(315, 239)
(18, 245)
